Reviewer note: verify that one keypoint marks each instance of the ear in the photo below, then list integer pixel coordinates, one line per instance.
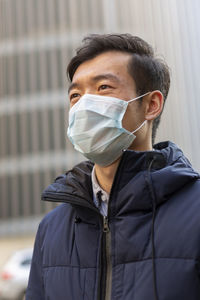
(154, 105)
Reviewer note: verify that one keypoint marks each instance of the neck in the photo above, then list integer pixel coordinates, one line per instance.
(105, 175)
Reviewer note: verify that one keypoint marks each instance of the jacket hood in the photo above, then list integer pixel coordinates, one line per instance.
(170, 170)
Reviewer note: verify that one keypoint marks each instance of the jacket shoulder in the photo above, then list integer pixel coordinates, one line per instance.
(62, 214)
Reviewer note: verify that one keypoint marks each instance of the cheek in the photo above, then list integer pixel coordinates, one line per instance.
(128, 119)
(133, 117)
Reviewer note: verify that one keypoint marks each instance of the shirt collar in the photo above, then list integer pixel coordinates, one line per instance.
(96, 187)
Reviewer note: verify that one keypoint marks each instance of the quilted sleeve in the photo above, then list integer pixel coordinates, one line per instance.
(35, 289)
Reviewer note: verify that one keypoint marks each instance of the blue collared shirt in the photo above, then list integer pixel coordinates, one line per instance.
(103, 206)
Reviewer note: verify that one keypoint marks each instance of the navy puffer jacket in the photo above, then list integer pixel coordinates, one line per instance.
(147, 249)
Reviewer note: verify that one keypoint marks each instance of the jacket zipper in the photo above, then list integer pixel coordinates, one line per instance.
(106, 283)
(105, 286)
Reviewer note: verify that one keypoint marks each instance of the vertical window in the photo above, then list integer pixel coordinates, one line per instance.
(28, 130)
(45, 130)
(37, 70)
(45, 9)
(3, 135)
(3, 196)
(35, 14)
(22, 78)
(31, 193)
(63, 128)
(8, 141)
(23, 133)
(18, 134)
(3, 76)
(24, 17)
(26, 195)
(37, 194)
(9, 197)
(40, 131)
(12, 134)
(27, 73)
(60, 65)
(51, 129)
(21, 194)
(41, 189)
(34, 131)
(56, 5)
(48, 70)
(15, 196)
(9, 75)
(17, 75)
(32, 72)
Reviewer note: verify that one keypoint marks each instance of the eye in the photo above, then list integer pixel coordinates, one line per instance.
(74, 96)
(104, 87)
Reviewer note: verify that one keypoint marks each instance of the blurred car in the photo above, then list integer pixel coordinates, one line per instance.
(14, 276)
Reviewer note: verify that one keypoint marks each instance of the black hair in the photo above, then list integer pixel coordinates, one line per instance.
(149, 72)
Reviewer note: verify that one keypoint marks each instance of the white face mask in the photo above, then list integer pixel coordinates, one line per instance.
(95, 128)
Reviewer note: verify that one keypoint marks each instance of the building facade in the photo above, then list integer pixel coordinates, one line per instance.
(37, 39)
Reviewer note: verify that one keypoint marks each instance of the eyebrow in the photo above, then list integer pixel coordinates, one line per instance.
(72, 86)
(95, 79)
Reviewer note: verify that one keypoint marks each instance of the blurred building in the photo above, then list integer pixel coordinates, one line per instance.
(37, 39)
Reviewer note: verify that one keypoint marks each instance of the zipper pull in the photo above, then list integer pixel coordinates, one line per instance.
(105, 224)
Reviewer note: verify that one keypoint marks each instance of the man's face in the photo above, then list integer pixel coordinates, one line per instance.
(107, 75)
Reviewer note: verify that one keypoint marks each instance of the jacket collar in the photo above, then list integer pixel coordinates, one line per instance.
(169, 171)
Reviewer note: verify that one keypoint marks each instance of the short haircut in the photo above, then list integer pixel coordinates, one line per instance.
(148, 72)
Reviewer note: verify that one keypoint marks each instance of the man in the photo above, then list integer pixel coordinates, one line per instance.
(129, 225)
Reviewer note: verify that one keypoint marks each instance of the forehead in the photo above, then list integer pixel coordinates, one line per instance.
(114, 62)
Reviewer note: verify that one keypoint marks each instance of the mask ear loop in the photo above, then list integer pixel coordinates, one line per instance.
(144, 120)
(139, 126)
(138, 97)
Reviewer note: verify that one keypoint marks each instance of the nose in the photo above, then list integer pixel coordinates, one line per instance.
(89, 90)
